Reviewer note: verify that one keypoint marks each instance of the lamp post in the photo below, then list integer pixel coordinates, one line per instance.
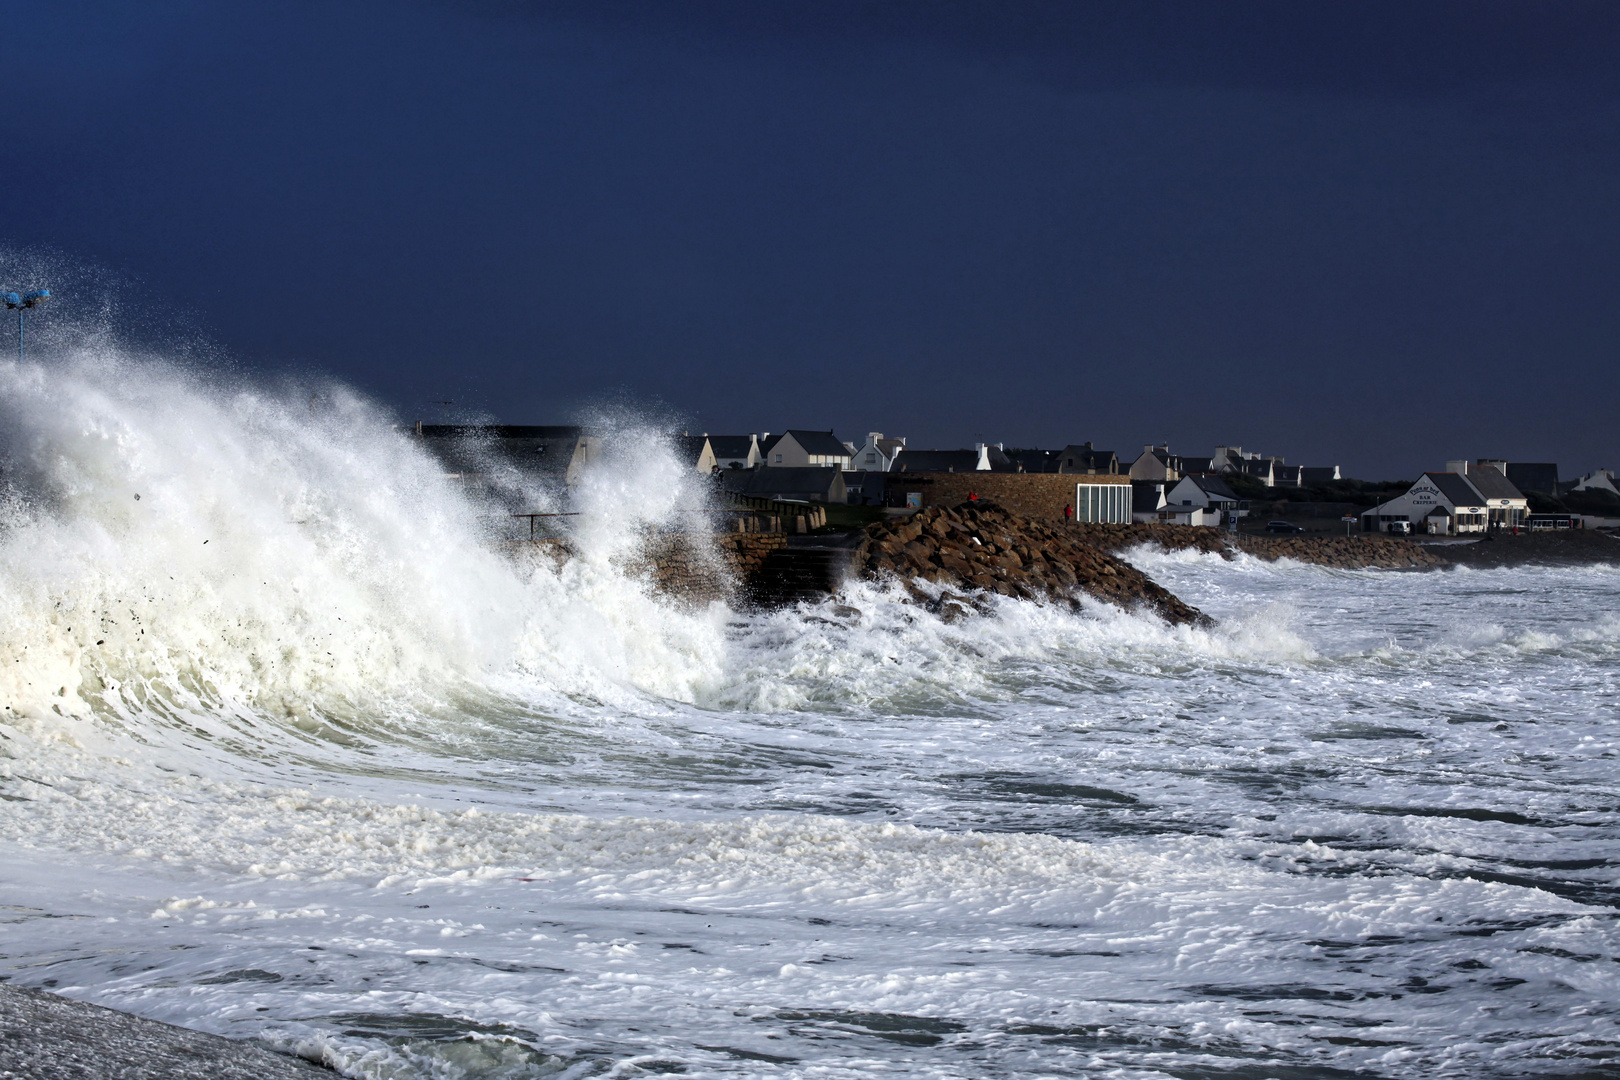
(20, 304)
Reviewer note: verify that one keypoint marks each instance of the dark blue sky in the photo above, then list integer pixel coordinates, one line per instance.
(1373, 234)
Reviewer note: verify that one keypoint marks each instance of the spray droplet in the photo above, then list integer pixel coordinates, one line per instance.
(137, 496)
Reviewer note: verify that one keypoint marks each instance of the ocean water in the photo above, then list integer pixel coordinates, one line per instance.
(290, 750)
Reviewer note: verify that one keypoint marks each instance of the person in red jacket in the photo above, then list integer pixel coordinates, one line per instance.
(1068, 514)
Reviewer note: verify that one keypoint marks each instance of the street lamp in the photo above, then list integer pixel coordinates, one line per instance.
(20, 304)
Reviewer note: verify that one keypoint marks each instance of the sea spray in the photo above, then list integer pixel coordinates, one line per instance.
(218, 545)
(348, 778)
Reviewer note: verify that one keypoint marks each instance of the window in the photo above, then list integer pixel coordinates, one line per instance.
(871, 458)
(779, 459)
(1102, 502)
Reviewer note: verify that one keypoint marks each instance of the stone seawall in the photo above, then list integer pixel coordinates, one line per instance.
(703, 569)
(1350, 552)
(697, 567)
(1041, 496)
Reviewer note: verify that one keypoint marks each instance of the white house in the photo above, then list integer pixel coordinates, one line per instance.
(695, 451)
(1188, 515)
(1147, 499)
(1456, 502)
(1201, 491)
(795, 449)
(1597, 480)
(878, 454)
(1505, 505)
(1156, 463)
(735, 451)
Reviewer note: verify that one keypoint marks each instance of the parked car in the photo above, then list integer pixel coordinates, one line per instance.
(1400, 528)
(1283, 527)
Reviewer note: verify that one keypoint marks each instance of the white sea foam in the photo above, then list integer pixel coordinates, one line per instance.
(348, 778)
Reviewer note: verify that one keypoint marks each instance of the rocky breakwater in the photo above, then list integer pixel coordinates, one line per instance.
(1356, 552)
(981, 547)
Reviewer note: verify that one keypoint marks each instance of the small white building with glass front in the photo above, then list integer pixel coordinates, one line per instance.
(1103, 499)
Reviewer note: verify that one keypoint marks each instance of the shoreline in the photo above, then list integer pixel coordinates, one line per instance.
(45, 1036)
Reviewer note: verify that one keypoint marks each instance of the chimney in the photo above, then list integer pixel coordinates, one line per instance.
(1457, 467)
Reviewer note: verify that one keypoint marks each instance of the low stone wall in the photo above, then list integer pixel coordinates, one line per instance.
(703, 569)
(699, 567)
(1041, 496)
(1351, 552)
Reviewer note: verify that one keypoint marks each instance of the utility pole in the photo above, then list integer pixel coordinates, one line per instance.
(20, 304)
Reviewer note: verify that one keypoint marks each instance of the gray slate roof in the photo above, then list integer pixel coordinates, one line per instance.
(689, 448)
(1456, 488)
(1211, 484)
(950, 461)
(793, 483)
(1492, 484)
(1145, 495)
(1534, 476)
(730, 446)
(822, 443)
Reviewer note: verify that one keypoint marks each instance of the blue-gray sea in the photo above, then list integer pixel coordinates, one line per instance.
(294, 749)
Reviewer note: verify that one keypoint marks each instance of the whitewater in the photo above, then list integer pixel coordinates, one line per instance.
(293, 749)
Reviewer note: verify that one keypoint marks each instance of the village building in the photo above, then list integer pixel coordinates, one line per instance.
(985, 457)
(820, 484)
(1207, 492)
(1458, 502)
(864, 487)
(1156, 463)
(1505, 505)
(1084, 459)
(1597, 480)
(1032, 460)
(1103, 497)
(877, 454)
(695, 452)
(1204, 516)
(480, 453)
(1147, 499)
(735, 451)
(1539, 476)
(1317, 475)
(795, 449)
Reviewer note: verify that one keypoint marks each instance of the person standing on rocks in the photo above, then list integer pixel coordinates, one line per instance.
(1068, 515)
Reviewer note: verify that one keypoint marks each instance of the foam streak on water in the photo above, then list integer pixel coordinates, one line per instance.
(347, 779)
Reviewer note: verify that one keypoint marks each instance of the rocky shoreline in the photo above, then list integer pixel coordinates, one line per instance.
(47, 1037)
(979, 546)
(1358, 552)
